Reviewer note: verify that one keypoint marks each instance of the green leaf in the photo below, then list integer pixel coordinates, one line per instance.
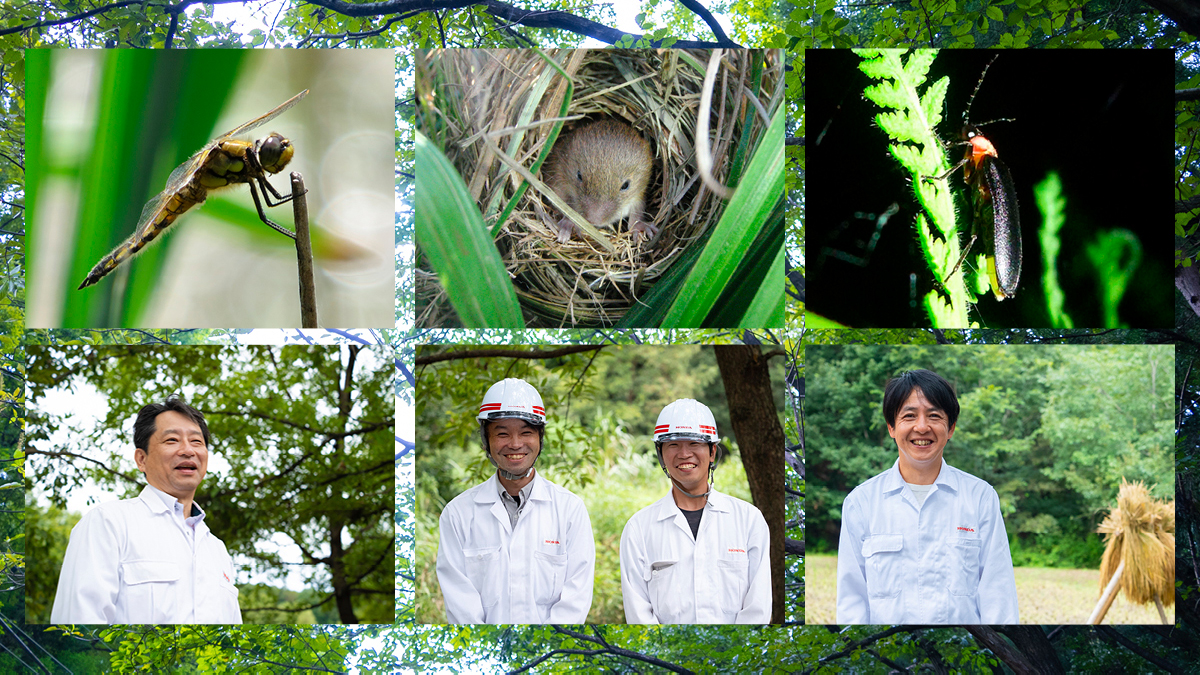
(451, 233)
(752, 204)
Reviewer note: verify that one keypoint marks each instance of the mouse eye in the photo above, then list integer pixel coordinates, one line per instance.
(579, 175)
(625, 185)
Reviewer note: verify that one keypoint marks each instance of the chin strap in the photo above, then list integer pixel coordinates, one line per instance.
(512, 476)
(712, 466)
(679, 486)
(507, 475)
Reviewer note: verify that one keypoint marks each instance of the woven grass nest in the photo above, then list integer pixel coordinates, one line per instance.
(510, 100)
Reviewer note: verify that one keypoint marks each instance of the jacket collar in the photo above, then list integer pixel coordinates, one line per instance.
(161, 502)
(539, 489)
(665, 508)
(947, 478)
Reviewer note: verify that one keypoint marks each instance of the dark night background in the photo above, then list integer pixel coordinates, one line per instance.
(1098, 118)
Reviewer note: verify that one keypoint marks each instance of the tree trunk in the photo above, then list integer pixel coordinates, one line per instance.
(337, 555)
(1033, 643)
(337, 570)
(1029, 654)
(760, 437)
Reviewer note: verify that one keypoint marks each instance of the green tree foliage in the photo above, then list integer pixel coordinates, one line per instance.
(1053, 430)
(47, 530)
(307, 432)
(601, 404)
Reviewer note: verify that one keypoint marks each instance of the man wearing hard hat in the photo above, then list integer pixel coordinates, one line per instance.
(923, 542)
(696, 555)
(516, 549)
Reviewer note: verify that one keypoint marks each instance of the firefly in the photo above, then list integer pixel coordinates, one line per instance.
(996, 220)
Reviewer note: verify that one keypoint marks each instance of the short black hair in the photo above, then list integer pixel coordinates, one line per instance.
(935, 387)
(144, 427)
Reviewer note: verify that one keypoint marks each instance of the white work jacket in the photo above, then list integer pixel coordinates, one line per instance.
(539, 571)
(132, 562)
(942, 562)
(722, 575)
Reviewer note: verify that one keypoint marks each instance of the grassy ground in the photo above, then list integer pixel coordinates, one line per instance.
(1044, 596)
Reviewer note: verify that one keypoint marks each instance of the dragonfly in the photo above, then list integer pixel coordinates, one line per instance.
(223, 162)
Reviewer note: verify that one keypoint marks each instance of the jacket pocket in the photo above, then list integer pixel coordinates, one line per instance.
(964, 566)
(482, 569)
(151, 587)
(734, 580)
(883, 554)
(549, 574)
(659, 579)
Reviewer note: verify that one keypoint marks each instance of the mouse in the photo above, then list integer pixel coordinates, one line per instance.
(601, 170)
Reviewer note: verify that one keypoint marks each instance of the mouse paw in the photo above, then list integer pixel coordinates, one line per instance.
(565, 229)
(643, 230)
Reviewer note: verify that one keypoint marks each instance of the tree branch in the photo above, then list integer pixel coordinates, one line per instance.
(605, 649)
(1112, 635)
(858, 644)
(505, 353)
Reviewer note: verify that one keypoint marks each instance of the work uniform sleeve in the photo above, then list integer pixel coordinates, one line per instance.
(757, 606)
(462, 599)
(576, 598)
(90, 579)
(997, 585)
(635, 590)
(853, 605)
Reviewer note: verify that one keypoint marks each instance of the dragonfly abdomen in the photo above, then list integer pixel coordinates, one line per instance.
(177, 205)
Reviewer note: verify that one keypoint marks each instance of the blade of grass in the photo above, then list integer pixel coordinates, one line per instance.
(452, 235)
(766, 309)
(742, 221)
(755, 269)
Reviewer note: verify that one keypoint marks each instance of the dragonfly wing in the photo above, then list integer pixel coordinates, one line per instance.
(184, 172)
(151, 210)
(263, 119)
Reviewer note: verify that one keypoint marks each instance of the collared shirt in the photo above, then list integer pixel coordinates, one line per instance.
(945, 561)
(140, 561)
(536, 571)
(514, 505)
(721, 575)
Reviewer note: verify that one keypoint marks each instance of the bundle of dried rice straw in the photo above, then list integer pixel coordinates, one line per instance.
(1141, 533)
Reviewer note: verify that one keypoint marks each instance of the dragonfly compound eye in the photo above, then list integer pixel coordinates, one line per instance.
(275, 153)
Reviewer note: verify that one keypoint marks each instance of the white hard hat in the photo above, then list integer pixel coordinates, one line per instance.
(512, 398)
(686, 419)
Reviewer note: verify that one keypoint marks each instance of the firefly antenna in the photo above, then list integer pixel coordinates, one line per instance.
(967, 112)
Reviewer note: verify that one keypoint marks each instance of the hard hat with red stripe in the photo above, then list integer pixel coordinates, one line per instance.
(686, 419)
(512, 398)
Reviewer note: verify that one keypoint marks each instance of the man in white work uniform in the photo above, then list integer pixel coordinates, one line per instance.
(516, 549)
(696, 555)
(152, 559)
(923, 543)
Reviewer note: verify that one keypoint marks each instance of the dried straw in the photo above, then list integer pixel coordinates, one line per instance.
(1140, 531)
(509, 100)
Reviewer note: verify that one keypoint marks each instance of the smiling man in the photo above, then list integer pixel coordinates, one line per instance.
(516, 549)
(696, 555)
(152, 560)
(923, 543)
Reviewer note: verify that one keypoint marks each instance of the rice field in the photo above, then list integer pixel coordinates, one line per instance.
(1044, 596)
